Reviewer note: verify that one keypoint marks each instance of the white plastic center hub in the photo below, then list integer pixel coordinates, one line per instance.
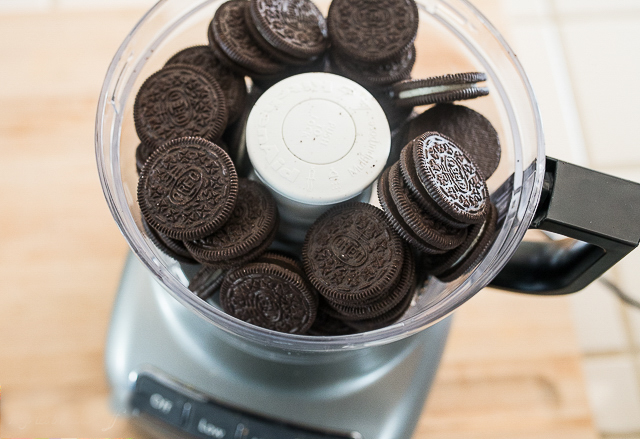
(319, 131)
(317, 138)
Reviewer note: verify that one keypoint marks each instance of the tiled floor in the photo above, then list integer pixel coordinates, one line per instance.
(582, 57)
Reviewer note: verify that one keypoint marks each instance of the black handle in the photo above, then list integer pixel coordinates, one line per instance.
(601, 214)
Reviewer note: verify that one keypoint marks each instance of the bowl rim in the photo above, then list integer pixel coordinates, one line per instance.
(109, 173)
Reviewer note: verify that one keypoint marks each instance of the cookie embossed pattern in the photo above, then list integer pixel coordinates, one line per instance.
(450, 176)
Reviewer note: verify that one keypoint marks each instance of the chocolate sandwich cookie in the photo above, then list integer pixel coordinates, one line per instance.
(327, 325)
(294, 28)
(429, 230)
(142, 154)
(420, 194)
(389, 301)
(251, 256)
(229, 33)
(252, 221)
(450, 177)
(286, 262)
(179, 101)
(207, 281)
(351, 254)
(232, 84)
(386, 319)
(375, 74)
(454, 264)
(265, 82)
(439, 89)
(395, 219)
(187, 188)
(169, 246)
(268, 48)
(469, 129)
(372, 31)
(269, 296)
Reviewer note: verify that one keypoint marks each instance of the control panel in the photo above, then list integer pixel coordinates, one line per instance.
(198, 415)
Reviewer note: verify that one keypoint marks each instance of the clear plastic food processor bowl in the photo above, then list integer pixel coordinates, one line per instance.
(453, 37)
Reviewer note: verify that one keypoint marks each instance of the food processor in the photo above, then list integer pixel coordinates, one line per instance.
(182, 367)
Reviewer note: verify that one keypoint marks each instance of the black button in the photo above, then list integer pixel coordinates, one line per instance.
(208, 420)
(159, 401)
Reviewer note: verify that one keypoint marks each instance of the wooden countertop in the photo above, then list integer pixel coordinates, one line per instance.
(511, 368)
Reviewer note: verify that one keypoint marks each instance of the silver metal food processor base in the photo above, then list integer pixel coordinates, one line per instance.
(371, 393)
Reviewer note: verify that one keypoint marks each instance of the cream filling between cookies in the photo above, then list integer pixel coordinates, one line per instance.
(406, 94)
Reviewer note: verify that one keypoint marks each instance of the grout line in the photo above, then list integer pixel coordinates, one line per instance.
(574, 116)
(633, 349)
(632, 435)
(609, 354)
(597, 15)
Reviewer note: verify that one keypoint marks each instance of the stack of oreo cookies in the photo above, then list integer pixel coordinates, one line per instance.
(269, 40)
(372, 44)
(195, 208)
(437, 200)
(362, 269)
(272, 293)
(359, 263)
(180, 100)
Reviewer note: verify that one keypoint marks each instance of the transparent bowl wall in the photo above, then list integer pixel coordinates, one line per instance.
(453, 37)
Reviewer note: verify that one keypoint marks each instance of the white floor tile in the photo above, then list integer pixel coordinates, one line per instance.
(596, 6)
(614, 393)
(538, 47)
(634, 323)
(629, 274)
(25, 5)
(602, 54)
(526, 9)
(598, 317)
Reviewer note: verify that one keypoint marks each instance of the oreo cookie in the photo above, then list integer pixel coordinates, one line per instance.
(390, 300)
(179, 101)
(327, 325)
(372, 31)
(397, 221)
(375, 74)
(252, 222)
(251, 256)
(469, 129)
(142, 154)
(451, 265)
(169, 246)
(386, 319)
(280, 259)
(450, 178)
(420, 194)
(439, 89)
(269, 296)
(352, 255)
(187, 188)
(229, 34)
(232, 84)
(426, 228)
(207, 281)
(294, 29)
